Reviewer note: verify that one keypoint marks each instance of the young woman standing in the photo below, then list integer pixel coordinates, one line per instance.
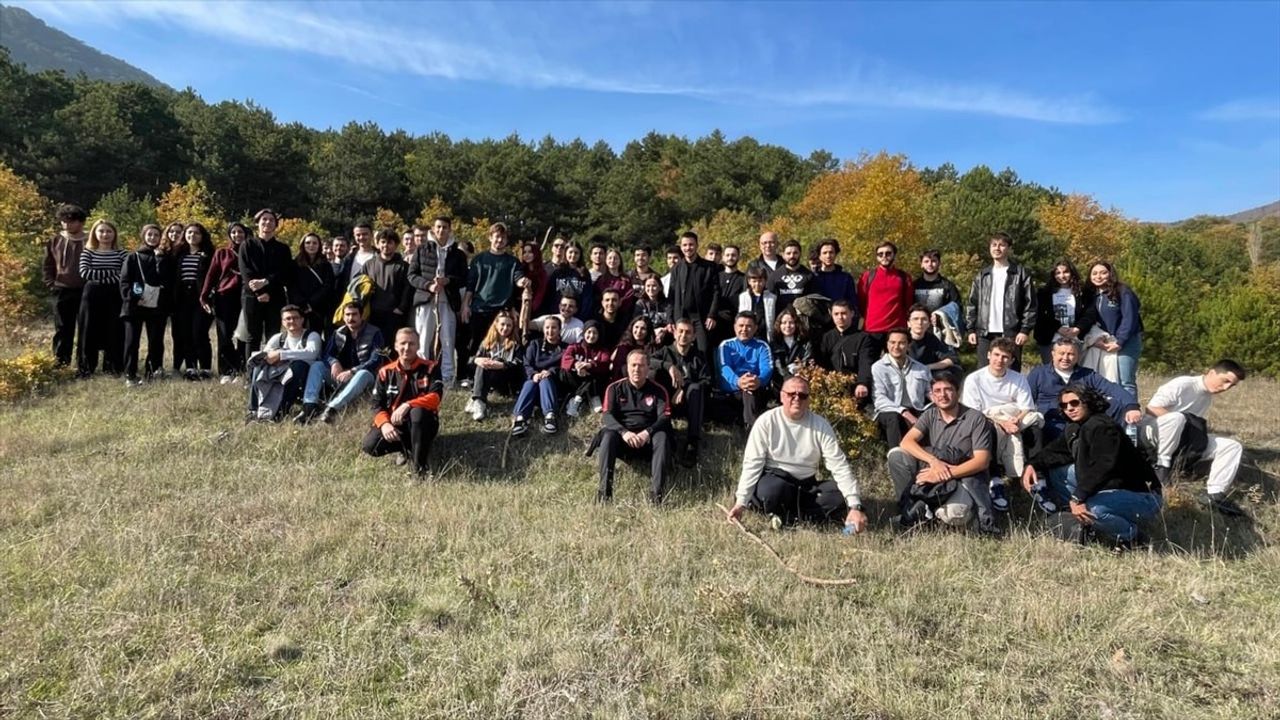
(146, 289)
(189, 314)
(313, 286)
(1060, 309)
(101, 331)
(1120, 314)
(221, 296)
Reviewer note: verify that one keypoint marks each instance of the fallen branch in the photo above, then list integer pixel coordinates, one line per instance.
(821, 582)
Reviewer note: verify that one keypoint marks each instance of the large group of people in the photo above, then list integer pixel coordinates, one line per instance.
(402, 318)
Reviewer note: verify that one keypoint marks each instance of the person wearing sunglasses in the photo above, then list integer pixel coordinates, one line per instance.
(1110, 487)
(780, 467)
(1047, 381)
(886, 294)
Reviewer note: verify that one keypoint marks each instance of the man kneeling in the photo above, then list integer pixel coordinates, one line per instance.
(940, 469)
(637, 415)
(780, 466)
(406, 403)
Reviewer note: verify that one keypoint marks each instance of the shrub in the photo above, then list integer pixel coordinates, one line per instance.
(831, 396)
(31, 373)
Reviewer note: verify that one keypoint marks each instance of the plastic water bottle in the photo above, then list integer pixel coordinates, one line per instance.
(850, 529)
(1131, 429)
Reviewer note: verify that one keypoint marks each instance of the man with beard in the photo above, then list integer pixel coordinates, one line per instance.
(792, 279)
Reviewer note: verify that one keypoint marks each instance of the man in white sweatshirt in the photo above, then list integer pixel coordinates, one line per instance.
(781, 462)
(1003, 395)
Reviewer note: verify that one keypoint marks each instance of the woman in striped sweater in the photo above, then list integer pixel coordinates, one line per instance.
(190, 321)
(101, 331)
(174, 245)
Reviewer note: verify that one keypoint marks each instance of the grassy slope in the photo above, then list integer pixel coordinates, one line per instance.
(161, 559)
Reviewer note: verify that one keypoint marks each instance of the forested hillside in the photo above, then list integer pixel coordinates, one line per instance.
(37, 46)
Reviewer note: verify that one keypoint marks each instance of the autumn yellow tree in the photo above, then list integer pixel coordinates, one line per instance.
(191, 202)
(432, 210)
(385, 218)
(1083, 229)
(26, 222)
(475, 231)
(729, 227)
(290, 231)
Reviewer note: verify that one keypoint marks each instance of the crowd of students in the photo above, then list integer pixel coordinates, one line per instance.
(405, 317)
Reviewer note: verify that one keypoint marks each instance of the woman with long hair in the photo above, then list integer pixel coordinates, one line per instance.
(639, 336)
(1060, 311)
(614, 277)
(173, 243)
(146, 291)
(499, 364)
(585, 370)
(536, 273)
(573, 279)
(101, 331)
(1107, 484)
(190, 320)
(654, 305)
(221, 297)
(791, 348)
(313, 285)
(1119, 314)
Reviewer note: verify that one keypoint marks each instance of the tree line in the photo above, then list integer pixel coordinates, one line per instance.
(139, 154)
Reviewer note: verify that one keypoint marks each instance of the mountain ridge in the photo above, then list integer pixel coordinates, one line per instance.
(33, 43)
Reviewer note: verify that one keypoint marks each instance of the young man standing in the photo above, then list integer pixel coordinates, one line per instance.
(492, 282)
(636, 419)
(392, 294)
(673, 259)
(831, 281)
(364, 250)
(885, 294)
(932, 289)
(1176, 421)
(791, 279)
(1003, 395)
(712, 253)
(695, 290)
(731, 283)
(61, 274)
(1002, 302)
(438, 272)
(642, 271)
(266, 269)
(406, 402)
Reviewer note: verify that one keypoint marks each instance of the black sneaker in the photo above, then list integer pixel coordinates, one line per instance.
(308, 412)
(916, 514)
(1221, 503)
(999, 496)
(519, 427)
(328, 416)
(549, 424)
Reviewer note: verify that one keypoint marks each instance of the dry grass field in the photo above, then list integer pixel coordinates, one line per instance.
(159, 558)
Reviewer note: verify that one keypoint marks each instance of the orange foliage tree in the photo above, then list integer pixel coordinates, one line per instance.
(188, 203)
(26, 222)
(1083, 229)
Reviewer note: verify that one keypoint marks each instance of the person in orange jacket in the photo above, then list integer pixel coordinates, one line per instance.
(406, 403)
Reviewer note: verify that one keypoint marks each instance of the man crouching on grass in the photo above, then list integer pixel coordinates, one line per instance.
(406, 403)
(780, 466)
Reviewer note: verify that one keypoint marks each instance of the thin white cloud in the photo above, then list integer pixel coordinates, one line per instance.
(339, 32)
(1244, 110)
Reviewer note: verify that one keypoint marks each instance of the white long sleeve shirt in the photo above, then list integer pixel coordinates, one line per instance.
(306, 347)
(983, 391)
(796, 448)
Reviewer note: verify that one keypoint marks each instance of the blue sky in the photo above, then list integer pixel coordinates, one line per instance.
(1162, 110)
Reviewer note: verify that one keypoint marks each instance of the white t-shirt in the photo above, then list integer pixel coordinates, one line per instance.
(983, 391)
(995, 309)
(1186, 394)
(1064, 308)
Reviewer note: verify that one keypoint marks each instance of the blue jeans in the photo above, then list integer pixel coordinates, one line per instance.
(1127, 363)
(546, 394)
(318, 378)
(1116, 512)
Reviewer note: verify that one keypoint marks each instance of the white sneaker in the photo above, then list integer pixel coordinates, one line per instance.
(596, 405)
(226, 380)
(575, 407)
(470, 407)
(478, 410)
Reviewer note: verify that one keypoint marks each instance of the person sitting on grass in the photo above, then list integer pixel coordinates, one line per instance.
(686, 376)
(585, 370)
(636, 419)
(351, 357)
(1002, 394)
(279, 370)
(639, 336)
(1047, 381)
(1176, 427)
(498, 364)
(746, 367)
(541, 366)
(781, 462)
(792, 352)
(1109, 484)
(940, 469)
(406, 404)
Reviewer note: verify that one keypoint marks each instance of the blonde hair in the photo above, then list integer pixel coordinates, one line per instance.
(491, 338)
(91, 243)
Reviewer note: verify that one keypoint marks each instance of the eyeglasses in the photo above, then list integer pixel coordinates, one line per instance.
(1068, 404)
(801, 396)
(886, 253)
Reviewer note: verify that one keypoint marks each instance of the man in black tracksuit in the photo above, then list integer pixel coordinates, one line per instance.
(637, 415)
(695, 291)
(686, 376)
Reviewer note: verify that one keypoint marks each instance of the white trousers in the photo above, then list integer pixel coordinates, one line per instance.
(424, 321)
(1165, 432)
(1009, 447)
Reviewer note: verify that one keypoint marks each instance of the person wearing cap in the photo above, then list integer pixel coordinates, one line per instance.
(780, 466)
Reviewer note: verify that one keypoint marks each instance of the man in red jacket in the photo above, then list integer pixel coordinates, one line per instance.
(406, 403)
(886, 294)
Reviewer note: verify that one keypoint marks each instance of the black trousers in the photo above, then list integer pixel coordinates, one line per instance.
(572, 384)
(101, 331)
(199, 349)
(792, 499)
(416, 435)
(226, 314)
(612, 447)
(388, 323)
(66, 307)
(984, 344)
(262, 318)
(152, 322)
(692, 406)
(892, 427)
(180, 331)
(506, 381)
(480, 322)
(753, 403)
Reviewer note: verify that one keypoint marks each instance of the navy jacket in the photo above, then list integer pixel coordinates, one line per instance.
(1046, 384)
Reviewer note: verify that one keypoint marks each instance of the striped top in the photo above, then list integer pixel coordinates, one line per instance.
(189, 269)
(101, 266)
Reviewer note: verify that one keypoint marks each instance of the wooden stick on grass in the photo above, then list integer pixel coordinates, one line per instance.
(821, 582)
